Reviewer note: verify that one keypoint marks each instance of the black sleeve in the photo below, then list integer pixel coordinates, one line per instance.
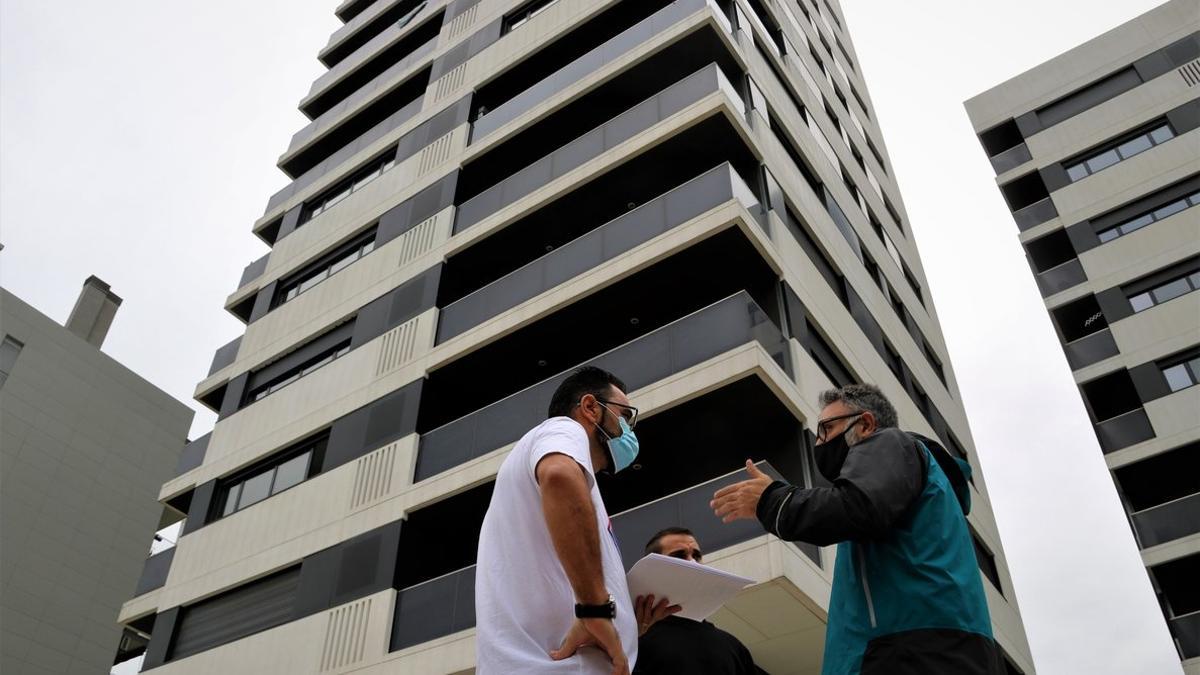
(880, 479)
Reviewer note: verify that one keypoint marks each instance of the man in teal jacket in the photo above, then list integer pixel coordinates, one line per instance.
(907, 595)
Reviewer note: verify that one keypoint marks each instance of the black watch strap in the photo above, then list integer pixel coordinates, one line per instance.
(607, 610)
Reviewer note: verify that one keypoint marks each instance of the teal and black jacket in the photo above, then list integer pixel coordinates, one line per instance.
(907, 595)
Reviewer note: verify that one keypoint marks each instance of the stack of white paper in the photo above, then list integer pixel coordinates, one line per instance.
(698, 589)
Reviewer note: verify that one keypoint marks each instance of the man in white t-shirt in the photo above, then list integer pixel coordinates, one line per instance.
(550, 593)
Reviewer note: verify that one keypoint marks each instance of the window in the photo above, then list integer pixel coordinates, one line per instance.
(845, 54)
(913, 283)
(358, 181)
(9, 350)
(324, 358)
(524, 14)
(986, 561)
(237, 613)
(287, 469)
(1119, 151)
(1181, 374)
(873, 270)
(1168, 290)
(1140, 221)
(324, 268)
(934, 362)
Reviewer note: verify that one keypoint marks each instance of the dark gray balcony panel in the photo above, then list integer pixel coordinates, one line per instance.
(434, 608)
(590, 145)
(690, 509)
(193, 454)
(225, 355)
(1060, 278)
(364, 54)
(1186, 630)
(367, 91)
(372, 426)
(1035, 214)
(154, 572)
(1091, 349)
(1010, 159)
(1123, 431)
(410, 144)
(717, 186)
(1168, 522)
(709, 332)
(584, 66)
(254, 270)
(350, 149)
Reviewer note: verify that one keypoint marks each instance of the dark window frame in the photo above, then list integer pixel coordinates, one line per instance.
(315, 446)
(362, 244)
(1147, 131)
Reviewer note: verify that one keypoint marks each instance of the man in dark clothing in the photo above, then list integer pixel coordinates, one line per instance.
(674, 644)
(907, 596)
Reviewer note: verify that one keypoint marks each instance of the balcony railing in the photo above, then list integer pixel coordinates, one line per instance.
(1186, 630)
(1061, 277)
(193, 454)
(352, 101)
(674, 208)
(1035, 214)
(254, 270)
(225, 355)
(1168, 522)
(693, 339)
(1090, 349)
(585, 65)
(154, 571)
(1124, 430)
(592, 144)
(446, 605)
(1010, 159)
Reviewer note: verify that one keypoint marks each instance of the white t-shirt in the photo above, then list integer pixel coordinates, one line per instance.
(524, 603)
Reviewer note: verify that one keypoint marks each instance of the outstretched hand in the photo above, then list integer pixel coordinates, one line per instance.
(600, 633)
(740, 500)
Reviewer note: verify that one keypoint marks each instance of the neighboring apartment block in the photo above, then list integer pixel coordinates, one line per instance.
(85, 444)
(1097, 153)
(694, 195)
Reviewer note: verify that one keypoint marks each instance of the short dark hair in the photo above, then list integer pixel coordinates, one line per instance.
(863, 398)
(653, 546)
(586, 380)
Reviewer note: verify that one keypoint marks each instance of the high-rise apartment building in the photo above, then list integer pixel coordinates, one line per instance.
(691, 194)
(1097, 154)
(85, 444)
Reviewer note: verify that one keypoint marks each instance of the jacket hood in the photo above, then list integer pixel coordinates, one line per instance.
(956, 469)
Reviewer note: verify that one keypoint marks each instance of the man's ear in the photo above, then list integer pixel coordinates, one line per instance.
(587, 402)
(869, 423)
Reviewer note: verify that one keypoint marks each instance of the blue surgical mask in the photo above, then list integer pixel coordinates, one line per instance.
(623, 449)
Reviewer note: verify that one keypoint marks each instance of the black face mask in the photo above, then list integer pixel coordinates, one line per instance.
(831, 454)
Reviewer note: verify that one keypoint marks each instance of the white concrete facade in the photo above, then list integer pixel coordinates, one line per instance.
(356, 495)
(84, 445)
(1092, 274)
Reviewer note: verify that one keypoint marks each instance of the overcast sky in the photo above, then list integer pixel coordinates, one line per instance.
(138, 143)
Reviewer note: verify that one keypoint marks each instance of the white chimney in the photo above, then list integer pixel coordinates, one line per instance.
(94, 311)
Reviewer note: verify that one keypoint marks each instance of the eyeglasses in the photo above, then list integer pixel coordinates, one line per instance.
(823, 426)
(630, 413)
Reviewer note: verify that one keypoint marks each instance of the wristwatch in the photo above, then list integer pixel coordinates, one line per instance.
(607, 610)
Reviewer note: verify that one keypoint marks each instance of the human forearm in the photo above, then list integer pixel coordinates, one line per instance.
(571, 521)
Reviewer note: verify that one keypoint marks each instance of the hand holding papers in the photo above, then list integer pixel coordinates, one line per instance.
(699, 589)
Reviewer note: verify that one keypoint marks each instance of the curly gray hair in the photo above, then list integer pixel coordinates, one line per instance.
(863, 398)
